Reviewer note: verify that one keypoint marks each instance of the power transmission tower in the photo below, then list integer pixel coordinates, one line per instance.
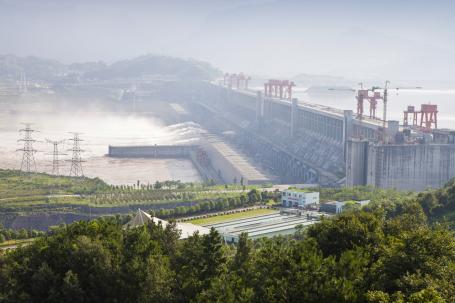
(76, 159)
(23, 83)
(55, 156)
(28, 163)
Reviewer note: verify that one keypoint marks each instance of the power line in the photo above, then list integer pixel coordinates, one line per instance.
(55, 156)
(76, 159)
(28, 163)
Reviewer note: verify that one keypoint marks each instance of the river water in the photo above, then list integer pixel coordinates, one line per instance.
(99, 130)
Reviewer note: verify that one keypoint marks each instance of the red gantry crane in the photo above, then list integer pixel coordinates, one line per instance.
(364, 94)
(239, 81)
(428, 116)
(279, 89)
(385, 95)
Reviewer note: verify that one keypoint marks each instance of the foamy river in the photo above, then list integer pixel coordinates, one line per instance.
(99, 130)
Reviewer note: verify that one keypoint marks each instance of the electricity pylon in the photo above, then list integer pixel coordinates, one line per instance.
(76, 159)
(28, 163)
(23, 83)
(55, 156)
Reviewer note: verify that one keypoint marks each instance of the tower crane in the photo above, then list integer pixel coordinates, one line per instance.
(385, 95)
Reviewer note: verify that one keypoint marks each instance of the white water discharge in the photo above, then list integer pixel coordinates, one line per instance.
(99, 130)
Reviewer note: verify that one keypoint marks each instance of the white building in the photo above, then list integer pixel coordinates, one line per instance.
(298, 198)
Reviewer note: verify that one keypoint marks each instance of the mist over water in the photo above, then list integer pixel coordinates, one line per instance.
(100, 127)
(99, 130)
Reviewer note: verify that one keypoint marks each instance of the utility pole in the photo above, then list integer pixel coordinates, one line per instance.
(76, 159)
(28, 163)
(55, 156)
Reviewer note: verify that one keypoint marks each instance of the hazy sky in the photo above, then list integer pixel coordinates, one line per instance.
(370, 39)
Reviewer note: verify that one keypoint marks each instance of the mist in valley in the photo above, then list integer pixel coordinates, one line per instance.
(99, 127)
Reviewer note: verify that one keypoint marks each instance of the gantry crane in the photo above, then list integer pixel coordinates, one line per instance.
(240, 81)
(279, 89)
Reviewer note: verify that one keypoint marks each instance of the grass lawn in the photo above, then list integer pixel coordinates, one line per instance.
(235, 216)
(15, 242)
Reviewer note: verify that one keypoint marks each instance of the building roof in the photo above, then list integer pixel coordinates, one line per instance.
(266, 225)
(187, 229)
(300, 190)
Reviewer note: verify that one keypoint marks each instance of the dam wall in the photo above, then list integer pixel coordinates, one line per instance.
(302, 142)
(403, 167)
(213, 158)
(233, 166)
(152, 151)
(299, 142)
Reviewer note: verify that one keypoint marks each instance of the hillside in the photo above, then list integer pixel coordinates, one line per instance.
(156, 66)
(356, 257)
(11, 68)
(41, 200)
(152, 66)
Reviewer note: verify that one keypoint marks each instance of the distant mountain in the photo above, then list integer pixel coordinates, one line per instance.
(86, 67)
(151, 66)
(157, 66)
(11, 68)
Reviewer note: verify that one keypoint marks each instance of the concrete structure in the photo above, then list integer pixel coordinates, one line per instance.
(194, 153)
(155, 151)
(213, 158)
(336, 207)
(299, 198)
(404, 167)
(301, 142)
(186, 229)
(265, 225)
(231, 165)
(332, 207)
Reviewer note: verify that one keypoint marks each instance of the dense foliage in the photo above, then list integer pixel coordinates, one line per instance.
(437, 204)
(359, 256)
(7, 234)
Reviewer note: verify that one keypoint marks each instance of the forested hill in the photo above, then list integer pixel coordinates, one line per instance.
(439, 205)
(153, 66)
(377, 255)
(156, 66)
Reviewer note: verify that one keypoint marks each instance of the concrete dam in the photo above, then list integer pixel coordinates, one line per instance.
(212, 157)
(301, 142)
